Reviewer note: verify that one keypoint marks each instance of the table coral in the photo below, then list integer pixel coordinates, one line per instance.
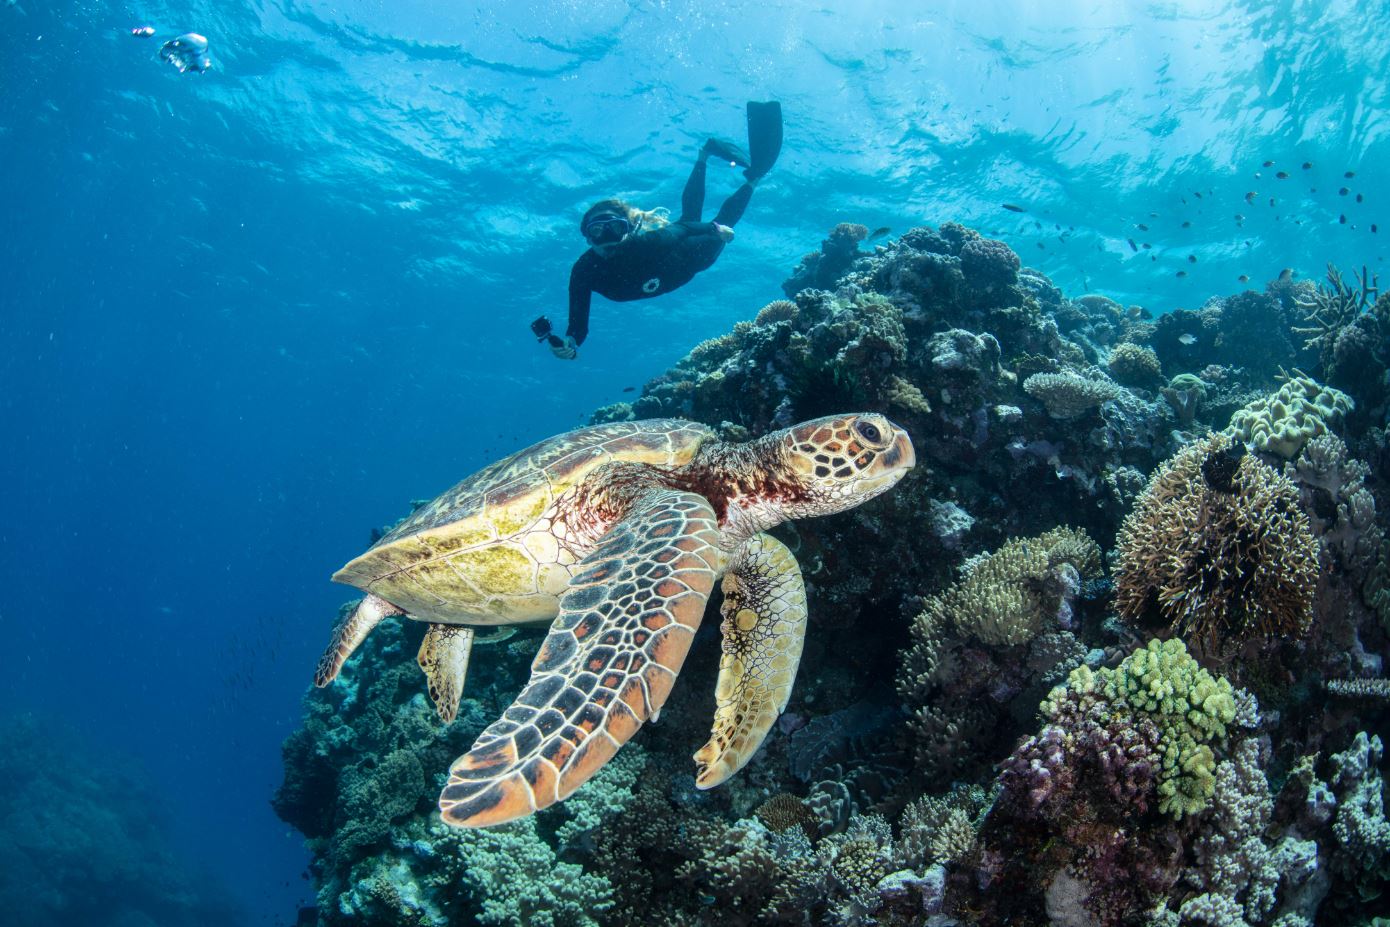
(1069, 395)
(1218, 548)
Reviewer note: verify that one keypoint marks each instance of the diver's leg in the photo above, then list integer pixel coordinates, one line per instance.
(693, 197)
(733, 207)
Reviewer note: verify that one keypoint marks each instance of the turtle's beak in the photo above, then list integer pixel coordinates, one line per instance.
(901, 456)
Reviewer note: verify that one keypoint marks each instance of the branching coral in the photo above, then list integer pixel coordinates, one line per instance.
(1014, 593)
(1332, 308)
(1218, 548)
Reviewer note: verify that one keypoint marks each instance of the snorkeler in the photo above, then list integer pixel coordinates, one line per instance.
(637, 254)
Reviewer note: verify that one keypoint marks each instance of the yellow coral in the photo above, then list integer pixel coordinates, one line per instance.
(1011, 594)
(1282, 422)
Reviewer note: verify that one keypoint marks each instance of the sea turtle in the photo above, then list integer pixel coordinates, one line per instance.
(615, 534)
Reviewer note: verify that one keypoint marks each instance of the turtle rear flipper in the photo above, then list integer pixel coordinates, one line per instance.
(443, 657)
(764, 628)
(607, 666)
(349, 634)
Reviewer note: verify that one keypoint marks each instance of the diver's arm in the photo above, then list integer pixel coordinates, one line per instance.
(581, 294)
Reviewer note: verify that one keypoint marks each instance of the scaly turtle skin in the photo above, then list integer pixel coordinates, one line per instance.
(616, 535)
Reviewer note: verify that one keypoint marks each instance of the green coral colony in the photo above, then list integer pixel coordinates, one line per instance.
(1114, 655)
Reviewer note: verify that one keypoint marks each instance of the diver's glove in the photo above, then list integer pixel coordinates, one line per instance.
(564, 349)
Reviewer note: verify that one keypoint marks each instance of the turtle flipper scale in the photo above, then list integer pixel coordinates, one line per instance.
(613, 652)
(764, 628)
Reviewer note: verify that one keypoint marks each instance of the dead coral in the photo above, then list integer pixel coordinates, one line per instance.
(1218, 548)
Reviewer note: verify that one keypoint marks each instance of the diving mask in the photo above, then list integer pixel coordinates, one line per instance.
(606, 229)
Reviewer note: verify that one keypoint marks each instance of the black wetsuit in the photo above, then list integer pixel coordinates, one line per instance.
(650, 263)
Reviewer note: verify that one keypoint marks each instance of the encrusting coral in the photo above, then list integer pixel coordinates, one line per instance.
(1218, 549)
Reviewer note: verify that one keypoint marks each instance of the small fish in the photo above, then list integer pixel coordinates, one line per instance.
(1183, 273)
(1342, 219)
(1360, 198)
(1286, 275)
(1312, 189)
(1307, 165)
(1240, 217)
(1343, 191)
(1271, 201)
(1153, 215)
(1012, 208)
(1374, 230)
(1196, 194)
(1282, 175)
(1250, 197)
(1244, 278)
(1187, 225)
(1043, 246)
(629, 389)
(1186, 338)
(142, 32)
(1132, 246)
(1349, 174)
(1147, 246)
(1192, 259)
(1142, 227)
(1037, 224)
(879, 232)
(1267, 164)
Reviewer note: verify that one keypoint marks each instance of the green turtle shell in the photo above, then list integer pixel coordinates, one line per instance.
(484, 551)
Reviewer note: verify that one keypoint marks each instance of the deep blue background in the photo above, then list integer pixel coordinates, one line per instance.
(249, 314)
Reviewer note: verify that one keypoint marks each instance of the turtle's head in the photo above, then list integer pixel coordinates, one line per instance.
(840, 461)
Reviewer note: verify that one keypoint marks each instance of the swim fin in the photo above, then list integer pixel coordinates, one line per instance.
(726, 150)
(764, 137)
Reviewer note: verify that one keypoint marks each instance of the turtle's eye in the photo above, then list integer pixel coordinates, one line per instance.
(869, 431)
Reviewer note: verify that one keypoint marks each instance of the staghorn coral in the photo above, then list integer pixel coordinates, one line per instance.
(1328, 310)
(1068, 395)
(1282, 422)
(1218, 549)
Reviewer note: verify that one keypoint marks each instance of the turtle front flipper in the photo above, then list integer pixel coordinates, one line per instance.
(764, 627)
(349, 633)
(625, 625)
(443, 657)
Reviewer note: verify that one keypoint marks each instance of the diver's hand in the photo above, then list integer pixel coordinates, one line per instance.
(725, 233)
(564, 349)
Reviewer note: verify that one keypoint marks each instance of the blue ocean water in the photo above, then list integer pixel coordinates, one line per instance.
(248, 314)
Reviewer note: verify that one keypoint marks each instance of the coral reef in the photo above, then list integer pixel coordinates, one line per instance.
(1218, 549)
(982, 730)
